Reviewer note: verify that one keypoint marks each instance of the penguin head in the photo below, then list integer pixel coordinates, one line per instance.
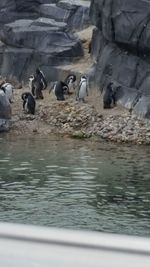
(2, 83)
(31, 78)
(37, 71)
(83, 78)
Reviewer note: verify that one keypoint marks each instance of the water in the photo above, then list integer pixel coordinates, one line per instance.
(75, 184)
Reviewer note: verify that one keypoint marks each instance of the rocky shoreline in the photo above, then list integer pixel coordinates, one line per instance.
(79, 120)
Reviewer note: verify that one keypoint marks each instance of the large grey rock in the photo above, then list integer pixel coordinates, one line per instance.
(74, 13)
(11, 10)
(5, 108)
(54, 12)
(5, 113)
(42, 36)
(31, 43)
(7, 8)
(143, 107)
(39, 33)
(5, 125)
(48, 1)
(121, 50)
(27, 5)
(123, 21)
(7, 5)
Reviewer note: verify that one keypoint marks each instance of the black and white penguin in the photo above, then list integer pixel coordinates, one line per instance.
(8, 89)
(28, 103)
(31, 85)
(109, 97)
(42, 77)
(83, 89)
(70, 81)
(60, 89)
(37, 83)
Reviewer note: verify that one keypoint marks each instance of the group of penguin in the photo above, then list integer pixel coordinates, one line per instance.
(38, 83)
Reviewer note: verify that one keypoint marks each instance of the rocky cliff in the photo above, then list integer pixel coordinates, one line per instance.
(121, 50)
(40, 33)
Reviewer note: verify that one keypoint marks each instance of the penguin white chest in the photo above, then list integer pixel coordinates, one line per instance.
(83, 90)
(9, 91)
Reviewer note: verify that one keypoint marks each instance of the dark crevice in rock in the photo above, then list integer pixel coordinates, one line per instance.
(136, 100)
(112, 22)
(135, 75)
(141, 33)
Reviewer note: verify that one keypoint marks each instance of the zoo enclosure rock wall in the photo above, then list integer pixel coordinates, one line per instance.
(40, 33)
(121, 50)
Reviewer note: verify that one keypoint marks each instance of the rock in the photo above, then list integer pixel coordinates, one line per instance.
(5, 125)
(123, 22)
(78, 134)
(5, 108)
(74, 13)
(35, 43)
(120, 50)
(30, 36)
(143, 107)
(5, 113)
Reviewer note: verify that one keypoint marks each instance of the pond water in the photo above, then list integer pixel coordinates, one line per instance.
(75, 184)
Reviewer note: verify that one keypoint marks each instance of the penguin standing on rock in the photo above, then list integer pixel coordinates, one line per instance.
(60, 89)
(109, 97)
(70, 81)
(42, 78)
(31, 85)
(28, 103)
(8, 89)
(83, 89)
(37, 82)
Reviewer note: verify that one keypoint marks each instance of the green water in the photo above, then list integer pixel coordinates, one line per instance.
(75, 184)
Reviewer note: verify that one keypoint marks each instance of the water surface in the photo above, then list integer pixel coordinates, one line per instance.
(75, 184)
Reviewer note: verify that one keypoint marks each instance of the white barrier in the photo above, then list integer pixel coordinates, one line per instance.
(34, 246)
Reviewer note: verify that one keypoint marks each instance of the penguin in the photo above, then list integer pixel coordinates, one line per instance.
(83, 89)
(70, 81)
(28, 103)
(37, 85)
(8, 89)
(42, 77)
(60, 88)
(109, 97)
(31, 85)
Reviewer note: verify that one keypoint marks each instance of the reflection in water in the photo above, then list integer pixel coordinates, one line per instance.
(77, 185)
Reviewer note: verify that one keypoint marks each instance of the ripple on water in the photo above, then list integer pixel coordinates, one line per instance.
(98, 188)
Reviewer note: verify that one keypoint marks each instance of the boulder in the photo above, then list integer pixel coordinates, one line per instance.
(5, 112)
(143, 107)
(120, 49)
(4, 125)
(26, 6)
(75, 13)
(39, 33)
(30, 43)
(123, 21)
